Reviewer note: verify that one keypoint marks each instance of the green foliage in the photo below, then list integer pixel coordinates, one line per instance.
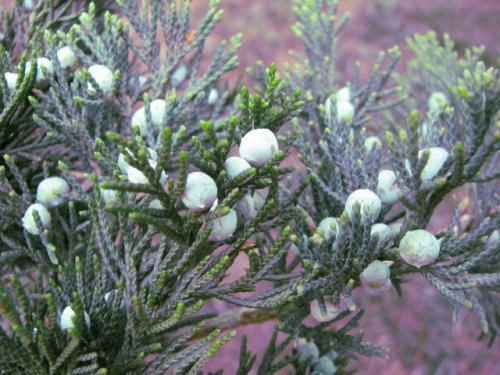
(139, 267)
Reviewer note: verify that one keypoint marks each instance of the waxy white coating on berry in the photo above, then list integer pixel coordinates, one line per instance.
(324, 366)
(375, 274)
(344, 94)
(158, 110)
(214, 205)
(135, 176)
(372, 142)
(67, 58)
(29, 221)
(424, 130)
(223, 227)
(294, 249)
(327, 226)
(109, 196)
(382, 230)
(345, 111)
(308, 352)
(110, 296)
(107, 295)
(387, 186)
(142, 80)
(152, 154)
(259, 146)
(332, 311)
(123, 165)
(179, 75)
(213, 97)
(11, 79)
(369, 201)
(67, 316)
(103, 76)
(494, 238)
(437, 100)
(52, 192)
(156, 204)
(437, 157)
(200, 191)
(375, 278)
(44, 69)
(419, 248)
(328, 106)
(395, 228)
(235, 165)
(29, 4)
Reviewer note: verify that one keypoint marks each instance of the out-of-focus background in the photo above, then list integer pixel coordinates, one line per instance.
(417, 329)
(375, 25)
